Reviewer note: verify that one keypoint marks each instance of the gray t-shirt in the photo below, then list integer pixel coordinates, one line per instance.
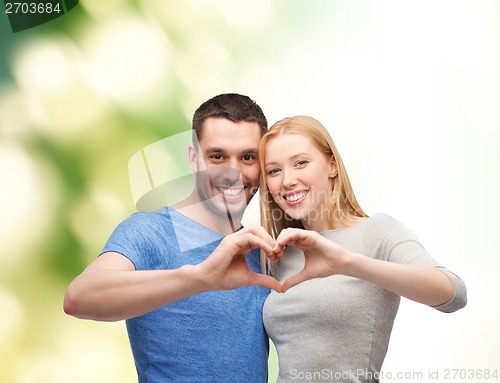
(337, 329)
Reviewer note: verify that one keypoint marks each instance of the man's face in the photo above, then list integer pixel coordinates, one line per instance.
(227, 165)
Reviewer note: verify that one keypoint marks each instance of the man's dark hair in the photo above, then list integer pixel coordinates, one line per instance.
(232, 106)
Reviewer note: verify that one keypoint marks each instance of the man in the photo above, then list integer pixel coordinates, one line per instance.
(195, 314)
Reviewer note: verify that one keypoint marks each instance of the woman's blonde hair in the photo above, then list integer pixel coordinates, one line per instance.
(343, 203)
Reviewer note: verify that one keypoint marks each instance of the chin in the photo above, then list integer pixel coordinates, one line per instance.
(233, 210)
(294, 215)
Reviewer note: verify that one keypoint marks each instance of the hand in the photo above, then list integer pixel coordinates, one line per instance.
(322, 256)
(226, 268)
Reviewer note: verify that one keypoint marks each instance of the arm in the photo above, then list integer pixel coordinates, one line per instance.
(426, 285)
(323, 258)
(110, 288)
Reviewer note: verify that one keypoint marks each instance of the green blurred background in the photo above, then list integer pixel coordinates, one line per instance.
(409, 89)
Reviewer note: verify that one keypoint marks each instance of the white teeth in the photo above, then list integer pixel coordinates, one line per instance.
(295, 197)
(230, 192)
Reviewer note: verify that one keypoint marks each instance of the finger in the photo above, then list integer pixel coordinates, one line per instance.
(249, 241)
(282, 242)
(295, 280)
(258, 232)
(276, 248)
(289, 234)
(283, 235)
(278, 253)
(297, 237)
(262, 233)
(273, 257)
(264, 281)
(261, 243)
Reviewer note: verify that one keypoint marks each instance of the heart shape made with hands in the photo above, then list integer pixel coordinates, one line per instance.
(322, 257)
(227, 267)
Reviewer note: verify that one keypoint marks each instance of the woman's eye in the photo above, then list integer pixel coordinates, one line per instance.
(273, 172)
(301, 163)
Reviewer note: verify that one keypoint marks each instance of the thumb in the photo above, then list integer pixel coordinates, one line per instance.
(295, 280)
(264, 281)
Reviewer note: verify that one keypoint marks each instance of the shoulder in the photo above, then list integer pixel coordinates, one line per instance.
(383, 219)
(384, 225)
(146, 238)
(147, 218)
(160, 214)
(142, 226)
(383, 233)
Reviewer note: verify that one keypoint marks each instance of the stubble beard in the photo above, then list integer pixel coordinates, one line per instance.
(214, 202)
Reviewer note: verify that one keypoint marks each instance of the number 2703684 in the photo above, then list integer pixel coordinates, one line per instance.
(32, 8)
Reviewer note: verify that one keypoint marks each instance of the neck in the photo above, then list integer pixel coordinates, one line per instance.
(197, 210)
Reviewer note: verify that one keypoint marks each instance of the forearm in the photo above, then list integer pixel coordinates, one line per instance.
(112, 295)
(425, 285)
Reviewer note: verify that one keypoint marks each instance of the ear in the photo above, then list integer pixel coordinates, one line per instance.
(334, 170)
(193, 158)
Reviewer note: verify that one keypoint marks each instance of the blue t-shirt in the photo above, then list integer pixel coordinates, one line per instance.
(216, 336)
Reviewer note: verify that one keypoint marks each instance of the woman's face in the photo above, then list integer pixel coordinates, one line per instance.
(299, 178)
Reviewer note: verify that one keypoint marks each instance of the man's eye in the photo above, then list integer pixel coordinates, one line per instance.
(216, 157)
(248, 157)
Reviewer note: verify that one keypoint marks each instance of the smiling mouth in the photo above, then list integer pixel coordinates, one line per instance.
(230, 193)
(295, 198)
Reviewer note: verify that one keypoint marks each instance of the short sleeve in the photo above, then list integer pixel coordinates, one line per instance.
(135, 239)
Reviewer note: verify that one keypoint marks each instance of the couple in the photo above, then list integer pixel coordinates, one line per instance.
(203, 314)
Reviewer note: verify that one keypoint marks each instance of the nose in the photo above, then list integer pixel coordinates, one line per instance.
(289, 179)
(229, 174)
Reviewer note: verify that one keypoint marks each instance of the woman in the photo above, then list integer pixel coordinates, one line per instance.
(349, 270)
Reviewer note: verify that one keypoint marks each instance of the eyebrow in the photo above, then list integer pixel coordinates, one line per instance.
(290, 158)
(215, 149)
